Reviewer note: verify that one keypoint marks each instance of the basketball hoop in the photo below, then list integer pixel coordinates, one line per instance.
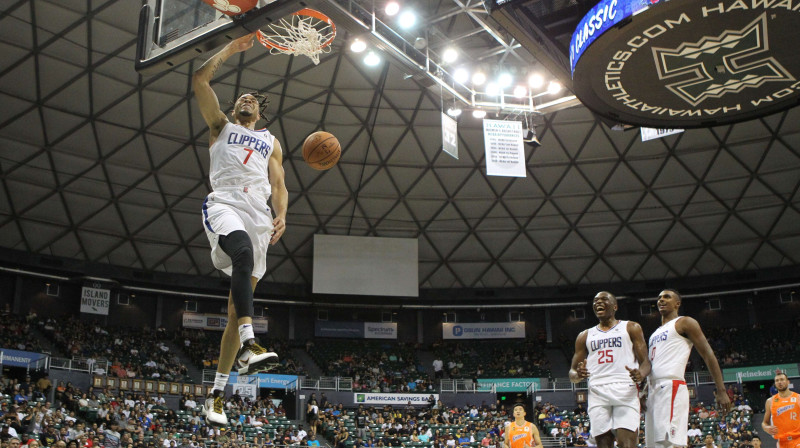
(306, 32)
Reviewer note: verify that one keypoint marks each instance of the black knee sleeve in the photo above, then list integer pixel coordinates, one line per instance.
(239, 247)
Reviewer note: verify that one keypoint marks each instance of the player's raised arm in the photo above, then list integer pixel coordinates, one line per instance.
(691, 329)
(639, 351)
(201, 84)
(280, 195)
(578, 371)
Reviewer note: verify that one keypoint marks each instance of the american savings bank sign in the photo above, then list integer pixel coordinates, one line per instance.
(687, 63)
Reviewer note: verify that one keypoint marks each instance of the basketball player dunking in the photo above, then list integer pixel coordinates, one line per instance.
(613, 357)
(245, 171)
(782, 414)
(667, 416)
(521, 433)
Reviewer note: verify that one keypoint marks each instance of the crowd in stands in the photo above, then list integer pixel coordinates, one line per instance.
(435, 426)
(15, 331)
(202, 347)
(374, 366)
(130, 352)
(776, 343)
(516, 359)
(106, 419)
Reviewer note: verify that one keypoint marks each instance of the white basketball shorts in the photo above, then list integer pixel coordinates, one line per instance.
(613, 406)
(230, 209)
(667, 416)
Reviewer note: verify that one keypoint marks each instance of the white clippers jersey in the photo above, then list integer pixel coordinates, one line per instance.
(669, 352)
(609, 353)
(240, 158)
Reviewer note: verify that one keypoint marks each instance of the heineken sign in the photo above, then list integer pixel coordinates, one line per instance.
(687, 63)
(760, 373)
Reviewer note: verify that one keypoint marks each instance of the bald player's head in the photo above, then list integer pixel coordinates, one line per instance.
(611, 297)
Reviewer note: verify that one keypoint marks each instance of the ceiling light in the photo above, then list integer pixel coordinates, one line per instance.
(454, 111)
(505, 80)
(478, 78)
(372, 59)
(358, 46)
(477, 113)
(461, 75)
(536, 81)
(520, 91)
(554, 87)
(450, 55)
(407, 19)
(420, 43)
(492, 89)
(392, 8)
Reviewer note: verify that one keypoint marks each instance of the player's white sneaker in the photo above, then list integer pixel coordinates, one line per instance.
(253, 358)
(214, 409)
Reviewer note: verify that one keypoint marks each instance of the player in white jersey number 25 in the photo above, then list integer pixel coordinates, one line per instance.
(612, 356)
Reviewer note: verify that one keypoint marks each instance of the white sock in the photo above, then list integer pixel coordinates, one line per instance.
(220, 381)
(245, 333)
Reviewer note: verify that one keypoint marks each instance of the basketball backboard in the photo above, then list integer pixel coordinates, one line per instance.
(172, 32)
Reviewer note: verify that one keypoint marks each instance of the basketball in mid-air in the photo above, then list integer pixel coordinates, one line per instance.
(321, 150)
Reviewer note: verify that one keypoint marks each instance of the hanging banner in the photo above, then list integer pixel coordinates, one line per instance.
(219, 321)
(505, 153)
(484, 330)
(450, 136)
(95, 300)
(398, 399)
(652, 133)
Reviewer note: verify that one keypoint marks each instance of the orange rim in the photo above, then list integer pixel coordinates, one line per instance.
(308, 12)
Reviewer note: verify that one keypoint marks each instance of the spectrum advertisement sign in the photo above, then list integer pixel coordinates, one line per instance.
(355, 330)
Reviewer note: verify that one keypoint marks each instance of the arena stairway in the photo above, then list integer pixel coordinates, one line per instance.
(305, 360)
(559, 364)
(191, 370)
(425, 360)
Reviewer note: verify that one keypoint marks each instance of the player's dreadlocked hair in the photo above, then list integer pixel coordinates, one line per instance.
(263, 102)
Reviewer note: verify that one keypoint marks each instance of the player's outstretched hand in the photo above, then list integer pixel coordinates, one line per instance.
(279, 227)
(583, 372)
(243, 43)
(723, 401)
(636, 376)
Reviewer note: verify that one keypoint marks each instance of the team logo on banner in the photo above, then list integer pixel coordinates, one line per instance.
(695, 65)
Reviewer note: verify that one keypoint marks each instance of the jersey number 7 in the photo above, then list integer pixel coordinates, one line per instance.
(249, 153)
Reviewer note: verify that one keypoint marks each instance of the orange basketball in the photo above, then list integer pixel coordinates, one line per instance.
(321, 150)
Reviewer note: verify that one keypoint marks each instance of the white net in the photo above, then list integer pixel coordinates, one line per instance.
(299, 34)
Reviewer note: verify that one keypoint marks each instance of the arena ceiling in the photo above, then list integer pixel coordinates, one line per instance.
(100, 164)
